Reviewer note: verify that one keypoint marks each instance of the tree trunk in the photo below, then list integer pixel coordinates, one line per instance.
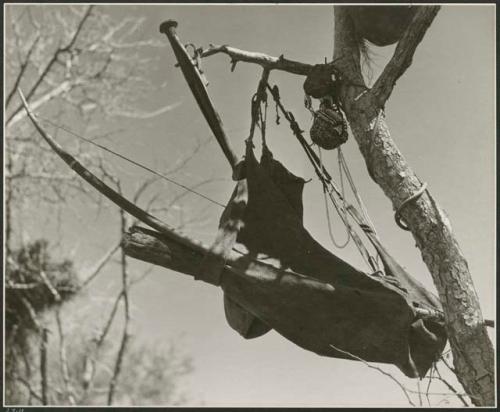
(471, 347)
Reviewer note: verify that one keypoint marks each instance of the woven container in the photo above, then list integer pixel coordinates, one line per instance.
(329, 129)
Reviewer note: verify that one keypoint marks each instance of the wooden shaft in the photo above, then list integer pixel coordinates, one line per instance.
(199, 90)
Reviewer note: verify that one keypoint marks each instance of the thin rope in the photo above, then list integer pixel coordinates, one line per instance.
(343, 165)
(342, 212)
(328, 219)
(131, 161)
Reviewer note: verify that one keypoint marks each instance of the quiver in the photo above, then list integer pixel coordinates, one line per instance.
(288, 282)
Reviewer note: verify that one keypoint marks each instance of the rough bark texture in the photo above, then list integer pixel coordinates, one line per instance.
(472, 349)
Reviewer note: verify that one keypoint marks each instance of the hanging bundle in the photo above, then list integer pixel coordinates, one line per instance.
(275, 275)
(319, 82)
(381, 25)
(329, 128)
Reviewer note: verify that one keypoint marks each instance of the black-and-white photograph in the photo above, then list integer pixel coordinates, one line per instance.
(249, 205)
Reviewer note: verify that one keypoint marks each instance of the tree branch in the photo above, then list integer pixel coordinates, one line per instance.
(472, 349)
(102, 262)
(49, 65)
(383, 372)
(63, 87)
(63, 359)
(450, 387)
(263, 60)
(126, 311)
(404, 52)
(22, 70)
(30, 389)
(43, 365)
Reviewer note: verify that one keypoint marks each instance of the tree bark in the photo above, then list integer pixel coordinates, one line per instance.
(471, 347)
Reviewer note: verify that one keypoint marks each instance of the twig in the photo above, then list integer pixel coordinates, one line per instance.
(144, 115)
(63, 359)
(90, 360)
(404, 52)
(102, 262)
(51, 62)
(429, 384)
(125, 335)
(420, 403)
(30, 389)
(22, 70)
(43, 365)
(184, 161)
(100, 340)
(403, 388)
(448, 365)
(450, 387)
(22, 286)
(50, 287)
(31, 313)
(61, 88)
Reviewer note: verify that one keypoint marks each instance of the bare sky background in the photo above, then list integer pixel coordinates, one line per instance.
(441, 116)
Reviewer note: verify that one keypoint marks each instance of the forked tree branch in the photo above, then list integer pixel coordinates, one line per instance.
(472, 349)
(403, 55)
(52, 61)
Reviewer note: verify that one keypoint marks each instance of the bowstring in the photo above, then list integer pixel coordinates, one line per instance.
(131, 161)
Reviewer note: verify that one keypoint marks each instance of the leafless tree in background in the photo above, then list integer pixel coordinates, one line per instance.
(78, 65)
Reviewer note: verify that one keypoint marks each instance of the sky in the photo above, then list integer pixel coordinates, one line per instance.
(441, 116)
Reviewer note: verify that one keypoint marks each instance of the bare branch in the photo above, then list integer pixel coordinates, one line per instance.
(383, 372)
(79, 28)
(63, 87)
(22, 70)
(50, 64)
(63, 359)
(126, 310)
(30, 389)
(31, 313)
(100, 264)
(43, 365)
(403, 55)
(264, 60)
(49, 286)
(143, 115)
(184, 161)
(450, 387)
(21, 286)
